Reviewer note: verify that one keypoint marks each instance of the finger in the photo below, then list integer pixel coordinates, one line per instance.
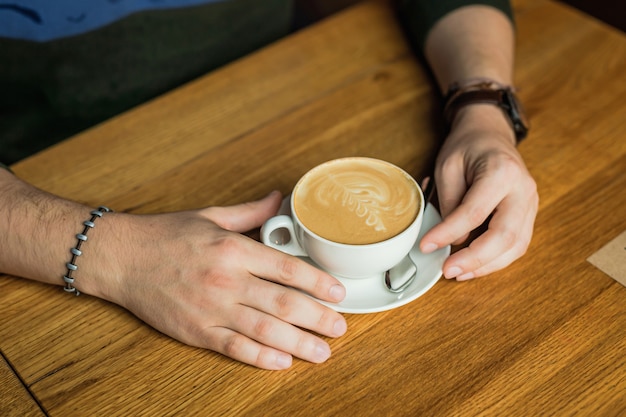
(275, 333)
(243, 349)
(479, 202)
(267, 263)
(496, 264)
(505, 240)
(246, 216)
(500, 262)
(294, 307)
(450, 190)
(511, 255)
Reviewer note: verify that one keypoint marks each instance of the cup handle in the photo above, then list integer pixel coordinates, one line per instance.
(278, 233)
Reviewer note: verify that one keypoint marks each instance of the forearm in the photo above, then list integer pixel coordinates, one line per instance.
(180, 272)
(480, 175)
(471, 42)
(37, 231)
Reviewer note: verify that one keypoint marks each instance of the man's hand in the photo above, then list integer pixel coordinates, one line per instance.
(479, 174)
(193, 276)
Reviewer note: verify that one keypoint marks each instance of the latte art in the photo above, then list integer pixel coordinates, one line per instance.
(356, 201)
(361, 193)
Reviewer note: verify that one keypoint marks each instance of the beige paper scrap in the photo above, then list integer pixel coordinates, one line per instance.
(611, 259)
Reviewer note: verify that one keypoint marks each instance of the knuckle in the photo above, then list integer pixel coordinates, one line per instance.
(534, 192)
(531, 185)
(233, 345)
(448, 167)
(505, 168)
(475, 263)
(522, 247)
(476, 215)
(283, 303)
(214, 281)
(227, 244)
(325, 321)
(509, 238)
(521, 251)
(473, 259)
(265, 359)
(303, 346)
(263, 329)
(225, 250)
(321, 286)
(287, 268)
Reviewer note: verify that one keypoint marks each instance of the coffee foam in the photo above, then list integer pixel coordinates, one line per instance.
(356, 201)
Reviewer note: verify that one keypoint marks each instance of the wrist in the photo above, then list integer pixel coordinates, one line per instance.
(484, 118)
(101, 266)
(472, 92)
(38, 231)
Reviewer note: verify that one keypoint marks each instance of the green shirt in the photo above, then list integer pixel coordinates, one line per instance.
(52, 90)
(420, 16)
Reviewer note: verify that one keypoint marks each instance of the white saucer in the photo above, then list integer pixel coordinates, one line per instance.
(371, 295)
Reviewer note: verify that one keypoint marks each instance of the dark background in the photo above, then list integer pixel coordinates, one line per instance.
(608, 11)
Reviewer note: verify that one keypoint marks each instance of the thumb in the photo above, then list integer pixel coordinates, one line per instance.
(246, 216)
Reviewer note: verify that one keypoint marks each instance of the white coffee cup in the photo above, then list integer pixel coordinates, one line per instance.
(374, 211)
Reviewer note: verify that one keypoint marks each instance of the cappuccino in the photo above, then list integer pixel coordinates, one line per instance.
(356, 201)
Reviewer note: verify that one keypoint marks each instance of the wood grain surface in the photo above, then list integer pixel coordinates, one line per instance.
(15, 399)
(545, 336)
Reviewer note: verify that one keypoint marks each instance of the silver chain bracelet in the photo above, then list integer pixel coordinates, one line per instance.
(76, 252)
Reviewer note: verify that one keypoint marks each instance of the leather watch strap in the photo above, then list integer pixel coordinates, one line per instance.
(471, 97)
(489, 92)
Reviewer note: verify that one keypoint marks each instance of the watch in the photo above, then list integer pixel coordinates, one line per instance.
(491, 92)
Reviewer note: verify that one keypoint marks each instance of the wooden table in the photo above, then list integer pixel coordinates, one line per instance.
(546, 336)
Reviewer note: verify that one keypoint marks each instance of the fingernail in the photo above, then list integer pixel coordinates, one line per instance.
(321, 352)
(453, 272)
(340, 327)
(283, 361)
(465, 277)
(429, 247)
(337, 292)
